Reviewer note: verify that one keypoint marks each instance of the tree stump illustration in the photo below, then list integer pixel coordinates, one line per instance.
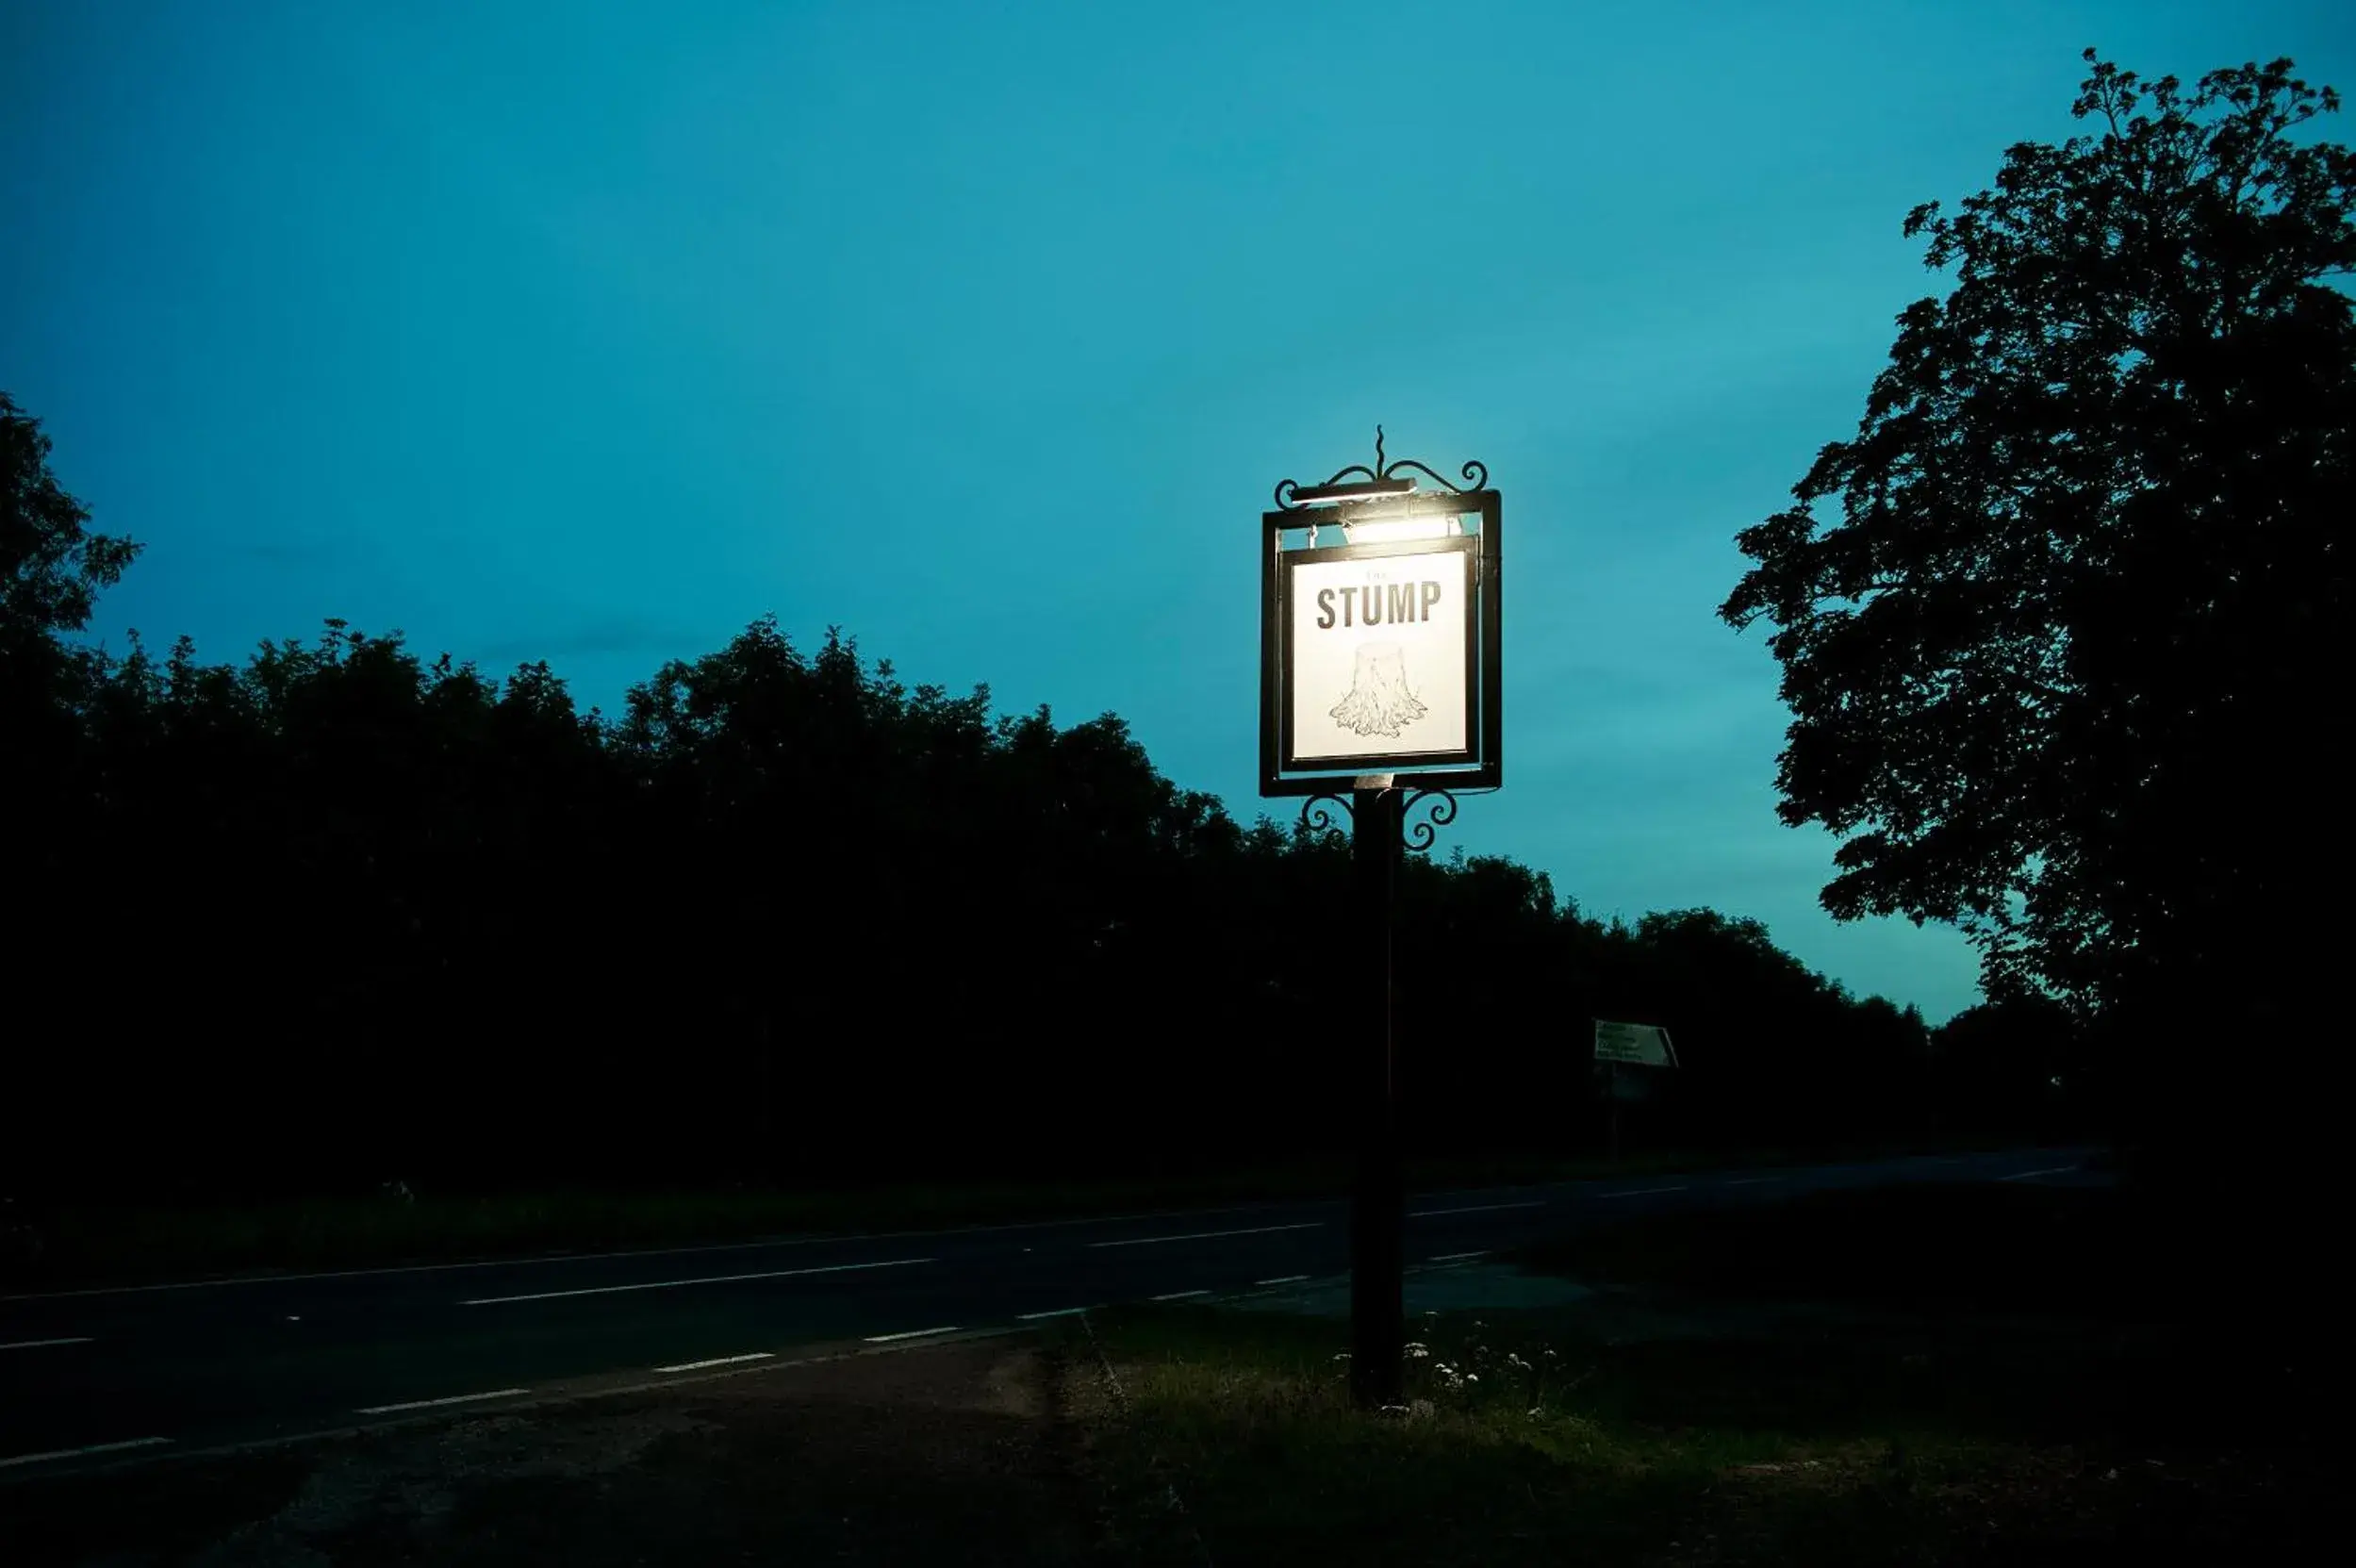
(1379, 702)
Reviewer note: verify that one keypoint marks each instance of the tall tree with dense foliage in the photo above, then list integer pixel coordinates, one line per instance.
(52, 568)
(2063, 627)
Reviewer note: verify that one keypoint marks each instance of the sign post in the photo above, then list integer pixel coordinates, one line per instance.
(1381, 695)
(1378, 1187)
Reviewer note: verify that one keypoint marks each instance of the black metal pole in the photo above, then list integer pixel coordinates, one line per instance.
(1377, 1199)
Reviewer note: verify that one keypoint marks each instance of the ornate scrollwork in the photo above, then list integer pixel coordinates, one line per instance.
(1420, 836)
(1317, 812)
(1323, 814)
(1475, 476)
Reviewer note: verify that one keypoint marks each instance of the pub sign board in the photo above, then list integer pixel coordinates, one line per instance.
(1380, 652)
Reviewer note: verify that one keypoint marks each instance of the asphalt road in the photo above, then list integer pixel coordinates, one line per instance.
(98, 1376)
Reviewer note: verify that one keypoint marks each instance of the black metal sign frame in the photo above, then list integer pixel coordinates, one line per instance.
(1481, 764)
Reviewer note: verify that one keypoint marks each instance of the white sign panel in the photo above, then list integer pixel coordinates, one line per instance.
(1379, 656)
(1637, 1045)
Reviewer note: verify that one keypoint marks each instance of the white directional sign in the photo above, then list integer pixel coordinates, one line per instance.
(1379, 655)
(1635, 1045)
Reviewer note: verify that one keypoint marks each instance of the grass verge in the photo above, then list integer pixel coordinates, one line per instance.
(1732, 1418)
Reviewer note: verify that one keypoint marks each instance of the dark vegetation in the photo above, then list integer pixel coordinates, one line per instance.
(341, 914)
(2065, 626)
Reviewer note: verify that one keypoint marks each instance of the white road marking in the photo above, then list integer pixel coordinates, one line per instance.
(707, 1279)
(1282, 1279)
(1208, 1235)
(912, 1333)
(1177, 1295)
(1476, 1209)
(1059, 1312)
(44, 1344)
(718, 1361)
(1752, 1181)
(2050, 1170)
(1643, 1191)
(1458, 1257)
(432, 1404)
(77, 1453)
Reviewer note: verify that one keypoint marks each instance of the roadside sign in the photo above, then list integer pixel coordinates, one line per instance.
(1382, 633)
(1634, 1044)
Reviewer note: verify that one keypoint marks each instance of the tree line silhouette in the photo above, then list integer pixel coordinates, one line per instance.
(339, 913)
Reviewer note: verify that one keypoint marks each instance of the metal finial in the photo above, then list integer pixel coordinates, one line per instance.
(1387, 477)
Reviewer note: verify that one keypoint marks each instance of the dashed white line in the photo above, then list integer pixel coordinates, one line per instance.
(911, 1334)
(1208, 1235)
(1642, 1192)
(436, 1404)
(1177, 1295)
(78, 1453)
(718, 1361)
(1458, 1257)
(707, 1279)
(2050, 1170)
(1282, 1279)
(1059, 1312)
(44, 1344)
(1478, 1209)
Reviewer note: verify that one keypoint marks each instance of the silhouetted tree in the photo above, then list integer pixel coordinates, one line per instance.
(52, 568)
(2070, 664)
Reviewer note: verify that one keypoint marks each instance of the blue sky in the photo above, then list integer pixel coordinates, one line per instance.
(594, 330)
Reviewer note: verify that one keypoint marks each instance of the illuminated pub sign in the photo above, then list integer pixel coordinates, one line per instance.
(1380, 641)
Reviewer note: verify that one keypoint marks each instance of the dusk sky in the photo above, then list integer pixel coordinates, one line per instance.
(593, 332)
